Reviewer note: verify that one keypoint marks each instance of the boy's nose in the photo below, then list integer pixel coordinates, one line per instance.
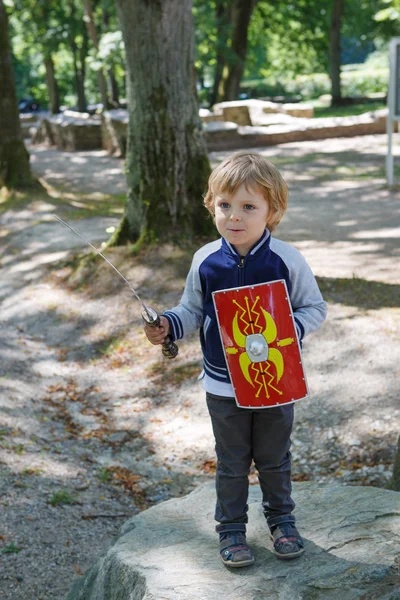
(235, 217)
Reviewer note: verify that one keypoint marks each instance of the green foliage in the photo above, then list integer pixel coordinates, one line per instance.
(61, 497)
(287, 41)
(43, 28)
(370, 295)
(388, 19)
(294, 37)
(112, 49)
(357, 80)
(287, 44)
(205, 38)
(104, 475)
(11, 549)
(345, 111)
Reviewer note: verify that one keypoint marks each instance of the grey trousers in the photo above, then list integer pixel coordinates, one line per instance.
(242, 435)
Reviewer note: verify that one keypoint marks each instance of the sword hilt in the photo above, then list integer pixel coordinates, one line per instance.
(152, 318)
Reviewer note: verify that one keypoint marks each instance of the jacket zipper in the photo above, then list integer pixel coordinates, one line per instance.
(241, 270)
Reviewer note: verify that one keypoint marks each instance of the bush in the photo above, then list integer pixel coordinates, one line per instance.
(356, 81)
(365, 81)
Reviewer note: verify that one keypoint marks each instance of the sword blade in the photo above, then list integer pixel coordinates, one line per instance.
(105, 258)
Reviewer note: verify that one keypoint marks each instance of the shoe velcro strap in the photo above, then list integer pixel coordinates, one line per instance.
(233, 541)
(231, 527)
(274, 521)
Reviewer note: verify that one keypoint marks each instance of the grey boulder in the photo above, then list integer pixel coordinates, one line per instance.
(170, 552)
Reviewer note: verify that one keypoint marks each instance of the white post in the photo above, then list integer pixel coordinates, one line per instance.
(393, 103)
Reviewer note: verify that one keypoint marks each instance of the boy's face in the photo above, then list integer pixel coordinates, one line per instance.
(241, 217)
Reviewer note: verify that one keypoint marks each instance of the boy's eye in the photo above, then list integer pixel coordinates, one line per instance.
(249, 206)
(223, 205)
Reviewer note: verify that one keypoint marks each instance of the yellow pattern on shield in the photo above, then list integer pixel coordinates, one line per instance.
(259, 373)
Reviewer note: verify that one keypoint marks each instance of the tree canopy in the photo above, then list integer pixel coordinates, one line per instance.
(71, 52)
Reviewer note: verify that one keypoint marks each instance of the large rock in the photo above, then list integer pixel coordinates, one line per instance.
(253, 112)
(70, 131)
(221, 134)
(31, 122)
(169, 552)
(114, 131)
(206, 116)
(305, 111)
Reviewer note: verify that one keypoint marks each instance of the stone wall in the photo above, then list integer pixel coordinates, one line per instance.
(30, 122)
(70, 131)
(220, 137)
(77, 131)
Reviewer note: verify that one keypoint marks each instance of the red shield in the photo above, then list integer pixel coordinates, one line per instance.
(261, 347)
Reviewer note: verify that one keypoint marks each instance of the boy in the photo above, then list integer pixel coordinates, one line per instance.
(247, 198)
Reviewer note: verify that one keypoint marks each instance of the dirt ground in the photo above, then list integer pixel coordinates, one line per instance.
(95, 426)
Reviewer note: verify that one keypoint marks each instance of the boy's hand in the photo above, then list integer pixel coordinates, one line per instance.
(156, 335)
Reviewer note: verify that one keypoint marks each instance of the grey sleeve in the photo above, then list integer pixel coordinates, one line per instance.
(188, 315)
(309, 308)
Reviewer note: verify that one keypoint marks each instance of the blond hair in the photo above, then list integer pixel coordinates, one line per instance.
(256, 173)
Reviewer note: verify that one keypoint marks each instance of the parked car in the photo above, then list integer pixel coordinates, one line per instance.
(27, 105)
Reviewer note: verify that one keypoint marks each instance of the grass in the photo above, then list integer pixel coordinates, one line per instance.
(11, 549)
(104, 475)
(32, 471)
(14, 200)
(359, 292)
(170, 374)
(61, 497)
(113, 345)
(67, 205)
(346, 111)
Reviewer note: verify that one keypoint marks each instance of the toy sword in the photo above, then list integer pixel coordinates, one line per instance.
(149, 315)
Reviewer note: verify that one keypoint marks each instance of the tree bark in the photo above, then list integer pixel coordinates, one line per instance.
(113, 88)
(241, 14)
(394, 483)
(52, 86)
(14, 158)
(92, 32)
(79, 55)
(335, 50)
(166, 164)
(79, 72)
(112, 81)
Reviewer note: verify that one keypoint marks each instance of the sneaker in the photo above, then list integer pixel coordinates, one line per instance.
(233, 547)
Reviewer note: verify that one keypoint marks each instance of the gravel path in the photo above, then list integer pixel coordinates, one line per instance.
(94, 427)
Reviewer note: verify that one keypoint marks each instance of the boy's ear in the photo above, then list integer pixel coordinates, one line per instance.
(271, 216)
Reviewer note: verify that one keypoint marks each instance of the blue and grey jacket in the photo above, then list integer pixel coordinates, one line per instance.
(218, 266)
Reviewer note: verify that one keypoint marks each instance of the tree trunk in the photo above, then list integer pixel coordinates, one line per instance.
(223, 16)
(334, 51)
(79, 72)
(112, 81)
(113, 88)
(102, 84)
(79, 65)
(394, 483)
(52, 86)
(166, 163)
(241, 14)
(92, 32)
(14, 159)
